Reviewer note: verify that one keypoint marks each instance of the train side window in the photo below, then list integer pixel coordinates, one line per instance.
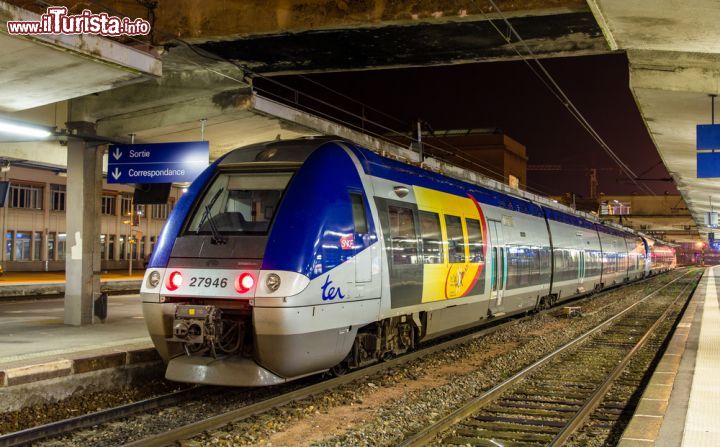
(358, 212)
(431, 237)
(475, 240)
(456, 241)
(403, 237)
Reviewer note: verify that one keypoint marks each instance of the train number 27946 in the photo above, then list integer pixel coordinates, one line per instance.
(201, 281)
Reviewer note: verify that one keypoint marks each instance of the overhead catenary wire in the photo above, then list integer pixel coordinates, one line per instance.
(546, 78)
(250, 75)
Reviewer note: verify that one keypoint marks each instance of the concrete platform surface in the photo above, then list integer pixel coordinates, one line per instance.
(681, 405)
(34, 330)
(42, 360)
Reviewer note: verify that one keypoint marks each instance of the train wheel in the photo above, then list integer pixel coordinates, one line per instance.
(340, 369)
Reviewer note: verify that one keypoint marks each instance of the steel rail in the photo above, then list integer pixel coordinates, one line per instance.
(64, 426)
(597, 397)
(58, 428)
(428, 434)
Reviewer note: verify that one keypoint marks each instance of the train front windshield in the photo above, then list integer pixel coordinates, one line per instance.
(239, 203)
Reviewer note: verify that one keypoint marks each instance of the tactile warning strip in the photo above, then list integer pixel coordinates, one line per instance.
(702, 425)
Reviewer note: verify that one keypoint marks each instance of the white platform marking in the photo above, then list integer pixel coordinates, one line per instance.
(701, 425)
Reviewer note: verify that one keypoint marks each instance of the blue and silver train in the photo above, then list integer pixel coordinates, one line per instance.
(292, 258)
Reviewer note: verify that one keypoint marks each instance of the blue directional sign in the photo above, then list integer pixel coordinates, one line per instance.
(708, 164)
(157, 163)
(708, 136)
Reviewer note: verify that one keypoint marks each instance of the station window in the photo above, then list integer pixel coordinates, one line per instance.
(403, 236)
(160, 212)
(37, 246)
(431, 238)
(25, 196)
(475, 240)
(132, 246)
(22, 246)
(122, 239)
(126, 205)
(142, 247)
(456, 242)
(57, 197)
(107, 205)
(111, 247)
(8, 245)
(103, 252)
(51, 246)
(61, 237)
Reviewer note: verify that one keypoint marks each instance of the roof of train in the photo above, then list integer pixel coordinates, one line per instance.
(298, 150)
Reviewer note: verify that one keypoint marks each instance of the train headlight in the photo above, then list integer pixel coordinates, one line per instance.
(153, 279)
(244, 282)
(272, 281)
(174, 281)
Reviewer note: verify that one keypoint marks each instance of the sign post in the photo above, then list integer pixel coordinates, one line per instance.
(157, 163)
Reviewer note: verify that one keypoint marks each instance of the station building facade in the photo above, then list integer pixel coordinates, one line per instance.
(33, 222)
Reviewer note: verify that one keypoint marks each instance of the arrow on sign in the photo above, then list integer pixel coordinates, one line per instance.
(117, 154)
(116, 174)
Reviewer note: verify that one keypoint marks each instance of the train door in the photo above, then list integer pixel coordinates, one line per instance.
(457, 259)
(363, 264)
(581, 267)
(498, 267)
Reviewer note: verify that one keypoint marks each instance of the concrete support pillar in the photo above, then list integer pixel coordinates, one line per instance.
(82, 249)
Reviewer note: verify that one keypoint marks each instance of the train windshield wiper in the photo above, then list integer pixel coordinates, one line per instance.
(217, 237)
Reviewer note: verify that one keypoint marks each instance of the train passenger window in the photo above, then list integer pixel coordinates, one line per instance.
(358, 212)
(431, 237)
(475, 240)
(403, 237)
(456, 241)
(566, 264)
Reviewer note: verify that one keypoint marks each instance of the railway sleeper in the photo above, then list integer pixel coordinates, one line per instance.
(542, 400)
(550, 392)
(559, 407)
(512, 427)
(539, 422)
(511, 435)
(460, 440)
(527, 412)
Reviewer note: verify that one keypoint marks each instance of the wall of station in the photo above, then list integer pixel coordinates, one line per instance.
(33, 222)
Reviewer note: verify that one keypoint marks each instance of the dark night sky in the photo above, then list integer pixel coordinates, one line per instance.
(509, 97)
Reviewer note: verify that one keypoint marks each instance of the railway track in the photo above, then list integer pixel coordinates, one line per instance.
(546, 403)
(259, 406)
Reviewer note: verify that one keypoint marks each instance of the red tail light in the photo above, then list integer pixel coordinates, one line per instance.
(174, 281)
(244, 282)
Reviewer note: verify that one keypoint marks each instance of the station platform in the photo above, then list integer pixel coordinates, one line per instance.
(35, 345)
(681, 404)
(38, 284)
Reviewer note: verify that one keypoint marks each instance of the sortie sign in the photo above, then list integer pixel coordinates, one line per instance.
(157, 163)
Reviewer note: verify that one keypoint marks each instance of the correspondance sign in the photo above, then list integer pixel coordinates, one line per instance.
(157, 163)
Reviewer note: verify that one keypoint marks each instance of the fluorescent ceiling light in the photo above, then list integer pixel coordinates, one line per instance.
(23, 130)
